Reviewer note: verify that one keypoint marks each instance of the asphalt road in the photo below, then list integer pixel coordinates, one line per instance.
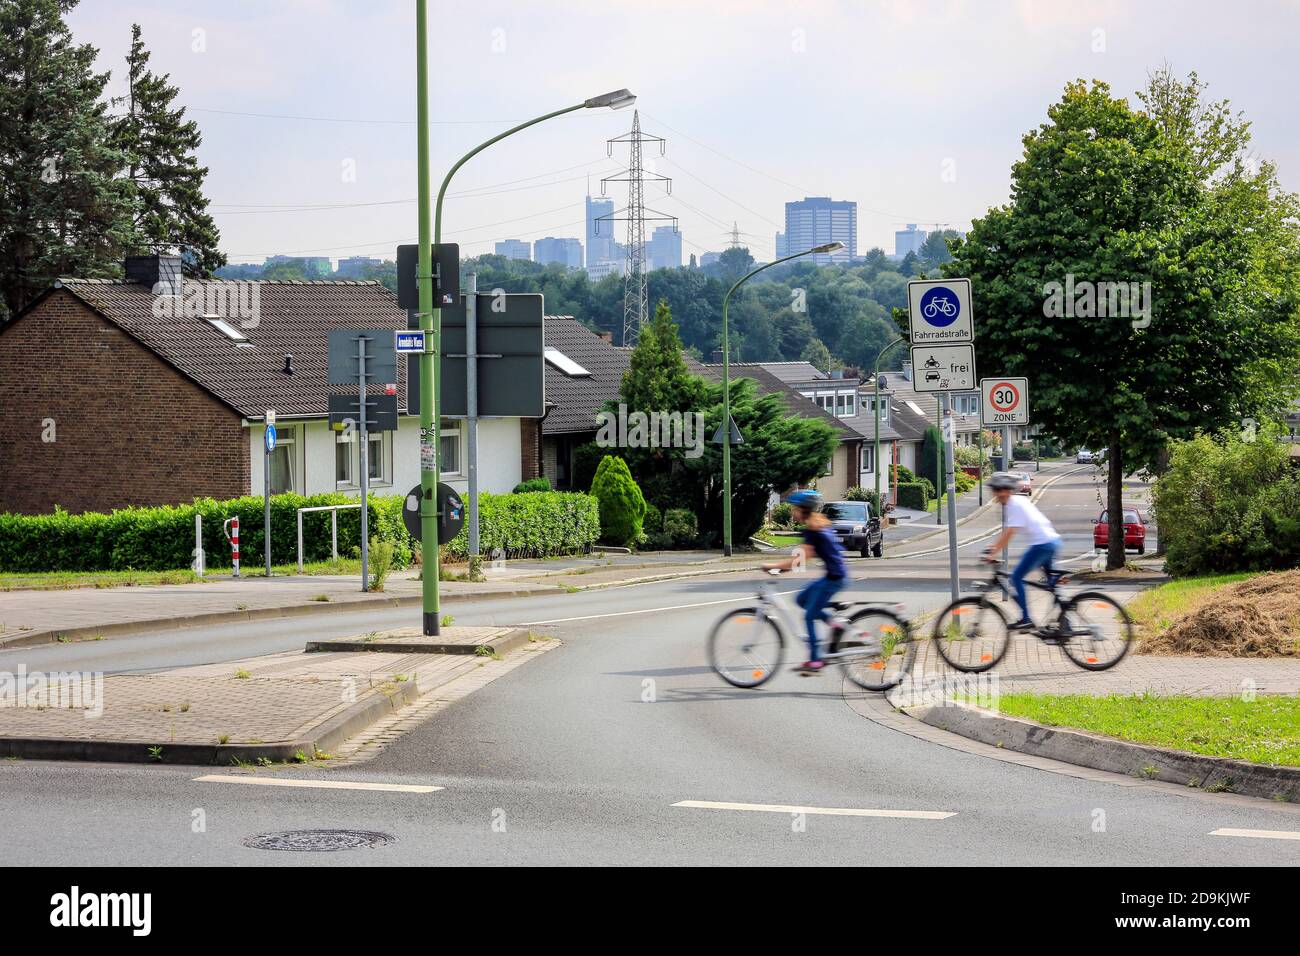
(580, 756)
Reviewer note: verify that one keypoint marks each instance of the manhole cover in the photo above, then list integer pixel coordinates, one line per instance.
(319, 841)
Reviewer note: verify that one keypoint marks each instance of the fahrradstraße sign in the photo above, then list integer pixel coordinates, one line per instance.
(939, 311)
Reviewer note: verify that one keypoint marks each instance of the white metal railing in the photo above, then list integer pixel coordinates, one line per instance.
(334, 528)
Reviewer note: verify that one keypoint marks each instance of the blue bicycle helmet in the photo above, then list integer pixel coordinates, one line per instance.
(805, 499)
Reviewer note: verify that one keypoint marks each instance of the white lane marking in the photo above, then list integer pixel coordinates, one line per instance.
(827, 811)
(648, 610)
(321, 784)
(1258, 834)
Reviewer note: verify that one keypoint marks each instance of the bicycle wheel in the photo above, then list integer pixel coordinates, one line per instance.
(1096, 630)
(746, 647)
(971, 634)
(876, 648)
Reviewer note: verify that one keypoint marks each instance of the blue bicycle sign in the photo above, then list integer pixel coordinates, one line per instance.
(940, 306)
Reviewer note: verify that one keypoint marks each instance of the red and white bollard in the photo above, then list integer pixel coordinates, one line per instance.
(231, 527)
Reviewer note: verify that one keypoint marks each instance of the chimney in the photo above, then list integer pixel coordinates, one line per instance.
(153, 270)
(907, 371)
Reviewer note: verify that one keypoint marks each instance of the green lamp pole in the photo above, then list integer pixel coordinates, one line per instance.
(876, 406)
(726, 385)
(431, 314)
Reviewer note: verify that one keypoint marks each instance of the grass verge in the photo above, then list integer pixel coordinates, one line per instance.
(1265, 730)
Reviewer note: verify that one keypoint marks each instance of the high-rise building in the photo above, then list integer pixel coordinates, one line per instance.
(664, 250)
(514, 249)
(908, 240)
(354, 267)
(567, 252)
(600, 235)
(780, 245)
(599, 270)
(817, 220)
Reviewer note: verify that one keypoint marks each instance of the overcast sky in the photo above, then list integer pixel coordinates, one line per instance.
(760, 102)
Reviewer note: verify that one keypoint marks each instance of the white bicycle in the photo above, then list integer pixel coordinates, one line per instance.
(873, 643)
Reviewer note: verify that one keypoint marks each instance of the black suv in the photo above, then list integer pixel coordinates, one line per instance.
(858, 530)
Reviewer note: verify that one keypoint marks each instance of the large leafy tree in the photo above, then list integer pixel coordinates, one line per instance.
(62, 211)
(159, 147)
(1105, 193)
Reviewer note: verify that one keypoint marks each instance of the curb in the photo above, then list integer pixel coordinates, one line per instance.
(321, 737)
(497, 645)
(1086, 749)
(74, 634)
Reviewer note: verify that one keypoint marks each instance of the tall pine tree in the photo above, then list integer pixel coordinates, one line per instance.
(62, 211)
(170, 212)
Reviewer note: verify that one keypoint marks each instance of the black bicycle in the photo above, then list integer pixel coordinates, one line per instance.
(1092, 629)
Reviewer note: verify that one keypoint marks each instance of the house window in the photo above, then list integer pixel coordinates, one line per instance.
(868, 457)
(345, 472)
(850, 405)
(449, 447)
(379, 465)
(283, 462)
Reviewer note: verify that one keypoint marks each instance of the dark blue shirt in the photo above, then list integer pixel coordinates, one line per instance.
(827, 547)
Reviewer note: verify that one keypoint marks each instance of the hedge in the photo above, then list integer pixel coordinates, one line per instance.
(912, 494)
(533, 525)
(162, 538)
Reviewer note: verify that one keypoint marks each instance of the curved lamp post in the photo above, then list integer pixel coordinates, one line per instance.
(726, 385)
(431, 315)
(876, 407)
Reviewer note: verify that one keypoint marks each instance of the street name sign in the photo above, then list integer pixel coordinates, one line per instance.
(943, 368)
(409, 340)
(939, 311)
(1004, 401)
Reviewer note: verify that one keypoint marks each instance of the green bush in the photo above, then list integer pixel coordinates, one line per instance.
(586, 459)
(1226, 504)
(622, 507)
(654, 519)
(858, 493)
(913, 494)
(532, 484)
(538, 524)
(380, 562)
(1023, 451)
(782, 515)
(162, 538)
(681, 526)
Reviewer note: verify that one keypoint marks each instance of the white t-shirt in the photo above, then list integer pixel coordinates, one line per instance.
(1022, 513)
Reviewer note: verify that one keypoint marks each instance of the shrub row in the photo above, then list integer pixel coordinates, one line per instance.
(912, 494)
(162, 538)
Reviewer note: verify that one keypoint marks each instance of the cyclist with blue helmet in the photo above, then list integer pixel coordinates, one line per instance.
(819, 542)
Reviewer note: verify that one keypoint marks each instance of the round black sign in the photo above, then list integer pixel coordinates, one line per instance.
(451, 508)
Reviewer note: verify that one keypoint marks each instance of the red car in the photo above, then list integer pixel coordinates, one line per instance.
(1135, 531)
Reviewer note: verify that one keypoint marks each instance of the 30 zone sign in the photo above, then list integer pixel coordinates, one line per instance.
(1005, 401)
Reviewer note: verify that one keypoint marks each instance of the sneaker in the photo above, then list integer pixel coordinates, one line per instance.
(1024, 624)
(808, 668)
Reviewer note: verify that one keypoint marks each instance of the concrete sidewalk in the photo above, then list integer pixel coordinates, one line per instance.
(42, 617)
(288, 707)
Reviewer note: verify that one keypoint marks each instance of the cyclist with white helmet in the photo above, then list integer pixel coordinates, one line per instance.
(819, 542)
(1041, 540)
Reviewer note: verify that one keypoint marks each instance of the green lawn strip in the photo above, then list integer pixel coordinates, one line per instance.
(63, 580)
(1264, 730)
(1154, 610)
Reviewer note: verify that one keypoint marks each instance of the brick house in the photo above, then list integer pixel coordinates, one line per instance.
(112, 401)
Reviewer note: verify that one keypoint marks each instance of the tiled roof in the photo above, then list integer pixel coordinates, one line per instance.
(768, 384)
(576, 400)
(928, 402)
(788, 372)
(294, 319)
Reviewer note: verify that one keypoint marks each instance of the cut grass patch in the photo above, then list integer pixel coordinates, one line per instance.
(1154, 610)
(65, 580)
(1248, 614)
(1265, 730)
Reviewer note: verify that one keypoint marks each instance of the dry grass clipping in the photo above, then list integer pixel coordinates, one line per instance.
(1258, 617)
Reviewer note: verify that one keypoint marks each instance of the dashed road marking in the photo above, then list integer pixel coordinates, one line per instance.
(825, 811)
(1258, 834)
(320, 784)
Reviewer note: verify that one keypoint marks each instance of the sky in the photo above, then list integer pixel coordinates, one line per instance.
(915, 110)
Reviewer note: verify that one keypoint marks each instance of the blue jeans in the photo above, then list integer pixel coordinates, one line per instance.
(813, 598)
(1035, 556)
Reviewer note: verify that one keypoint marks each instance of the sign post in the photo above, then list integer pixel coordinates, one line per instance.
(1004, 401)
(471, 406)
(941, 326)
(269, 446)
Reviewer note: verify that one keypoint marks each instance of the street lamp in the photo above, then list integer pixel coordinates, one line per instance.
(726, 385)
(876, 407)
(431, 315)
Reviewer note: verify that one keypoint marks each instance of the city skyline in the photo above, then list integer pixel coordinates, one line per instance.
(309, 136)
